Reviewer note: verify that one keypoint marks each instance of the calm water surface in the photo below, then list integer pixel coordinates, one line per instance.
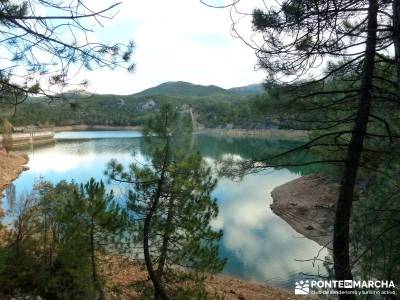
(258, 244)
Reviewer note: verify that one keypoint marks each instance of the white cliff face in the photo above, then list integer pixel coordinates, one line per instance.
(149, 105)
(120, 102)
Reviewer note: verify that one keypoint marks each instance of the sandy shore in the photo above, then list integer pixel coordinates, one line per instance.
(11, 165)
(308, 205)
(127, 277)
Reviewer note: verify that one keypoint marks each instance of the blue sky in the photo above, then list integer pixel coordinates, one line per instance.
(175, 40)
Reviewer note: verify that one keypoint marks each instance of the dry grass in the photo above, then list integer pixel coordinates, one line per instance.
(124, 279)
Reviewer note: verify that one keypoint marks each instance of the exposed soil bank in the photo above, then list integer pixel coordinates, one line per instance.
(90, 127)
(307, 204)
(262, 133)
(22, 140)
(128, 277)
(11, 165)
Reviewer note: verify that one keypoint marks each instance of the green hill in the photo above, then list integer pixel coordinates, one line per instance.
(182, 88)
(214, 106)
(247, 90)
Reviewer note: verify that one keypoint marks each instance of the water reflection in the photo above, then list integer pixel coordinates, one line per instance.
(11, 195)
(98, 134)
(258, 244)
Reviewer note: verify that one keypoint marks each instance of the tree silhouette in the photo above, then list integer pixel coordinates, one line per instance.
(331, 62)
(44, 39)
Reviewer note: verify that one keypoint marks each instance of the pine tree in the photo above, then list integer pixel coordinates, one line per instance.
(54, 246)
(337, 102)
(103, 220)
(44, 39)
(171, 200)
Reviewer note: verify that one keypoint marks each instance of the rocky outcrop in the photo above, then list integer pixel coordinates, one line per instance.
(149, 105)
(307, 204)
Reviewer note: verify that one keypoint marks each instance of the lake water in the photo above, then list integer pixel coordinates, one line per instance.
(258, 244)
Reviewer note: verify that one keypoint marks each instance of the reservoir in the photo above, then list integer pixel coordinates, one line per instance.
(259, 245)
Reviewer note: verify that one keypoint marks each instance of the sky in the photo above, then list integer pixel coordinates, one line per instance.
(176, 40)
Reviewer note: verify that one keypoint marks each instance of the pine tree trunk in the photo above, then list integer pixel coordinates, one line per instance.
(93, 258)
(341, 255)
(396, 36)
(158, 287)
(166, 239)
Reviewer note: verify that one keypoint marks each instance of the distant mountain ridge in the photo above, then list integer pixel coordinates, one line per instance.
(251, 89)
(215, 107)
(182, 88)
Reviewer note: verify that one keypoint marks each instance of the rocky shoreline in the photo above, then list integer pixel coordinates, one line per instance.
(307, 204)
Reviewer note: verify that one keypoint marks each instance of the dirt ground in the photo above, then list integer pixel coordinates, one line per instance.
(308, 205)
(126, 276)
(232, 288)
(11, 165)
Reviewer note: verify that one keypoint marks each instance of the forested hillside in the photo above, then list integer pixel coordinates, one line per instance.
(213, 106)
(182, 88)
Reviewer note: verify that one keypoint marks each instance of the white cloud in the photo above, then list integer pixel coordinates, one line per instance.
(60, 162)
(176, 40)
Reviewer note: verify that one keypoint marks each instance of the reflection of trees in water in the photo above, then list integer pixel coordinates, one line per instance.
(90, 146)
(98, 146)
(11, 196)
(208, 146)
(258, 148)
